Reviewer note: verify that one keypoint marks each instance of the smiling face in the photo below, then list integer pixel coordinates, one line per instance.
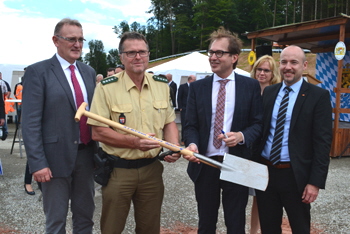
(292, 64)
(138, 64)
(68, 50)
(263, 73)
(223, 66)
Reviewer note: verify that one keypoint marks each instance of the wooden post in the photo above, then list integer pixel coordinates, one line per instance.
(335, 151)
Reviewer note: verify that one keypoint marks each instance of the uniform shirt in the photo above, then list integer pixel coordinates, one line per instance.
(147, 110)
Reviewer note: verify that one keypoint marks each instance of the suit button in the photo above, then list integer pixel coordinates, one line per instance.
(75, 142)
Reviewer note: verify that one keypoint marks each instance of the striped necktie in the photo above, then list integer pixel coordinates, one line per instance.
(220, 111)
(275, 154)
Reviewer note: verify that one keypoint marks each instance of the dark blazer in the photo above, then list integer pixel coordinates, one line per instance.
(182, 96)
(247, 117)
(50, 134)
(173, 87)
(310, 134)
(2, 105)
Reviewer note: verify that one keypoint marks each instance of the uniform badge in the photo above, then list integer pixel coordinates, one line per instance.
(122, 118)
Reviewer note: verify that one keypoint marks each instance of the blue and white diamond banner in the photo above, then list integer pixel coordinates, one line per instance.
(327, 72)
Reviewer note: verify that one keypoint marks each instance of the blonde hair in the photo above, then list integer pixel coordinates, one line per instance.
(276, 77)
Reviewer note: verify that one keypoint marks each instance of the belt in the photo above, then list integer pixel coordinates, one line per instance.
(280, 165)
(83, 146)
(132, 164)
(218, 158)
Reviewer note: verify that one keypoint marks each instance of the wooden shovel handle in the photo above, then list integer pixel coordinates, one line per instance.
(82, 111)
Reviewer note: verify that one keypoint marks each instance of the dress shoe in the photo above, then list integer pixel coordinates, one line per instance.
(29, 193)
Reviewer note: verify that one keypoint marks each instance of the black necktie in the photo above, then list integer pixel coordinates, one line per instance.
(275, 154)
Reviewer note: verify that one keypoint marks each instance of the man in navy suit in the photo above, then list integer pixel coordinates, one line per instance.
(59, 150)
(182, 102)
(302, 166)
(242, 123)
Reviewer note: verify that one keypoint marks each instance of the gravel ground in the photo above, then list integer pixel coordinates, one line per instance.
(21, 213)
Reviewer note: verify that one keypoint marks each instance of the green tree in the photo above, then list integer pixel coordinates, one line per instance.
(96, 58)
(113, 58)
(121, 28)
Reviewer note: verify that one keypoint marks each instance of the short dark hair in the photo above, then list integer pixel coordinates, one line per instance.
(121, 66)
(64, 21)
(235, 44)
(131, 36)
(110, 69)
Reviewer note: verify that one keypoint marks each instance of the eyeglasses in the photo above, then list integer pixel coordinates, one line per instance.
(265, 70)
(72, 39)
(218, 53)
(132, 54)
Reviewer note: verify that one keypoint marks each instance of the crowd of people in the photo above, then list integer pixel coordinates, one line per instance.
(273, 117)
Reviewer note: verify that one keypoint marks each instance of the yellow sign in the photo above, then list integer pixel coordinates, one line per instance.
(251, 58)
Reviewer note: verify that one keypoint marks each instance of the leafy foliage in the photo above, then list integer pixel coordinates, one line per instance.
(96, 58)
(185, 25)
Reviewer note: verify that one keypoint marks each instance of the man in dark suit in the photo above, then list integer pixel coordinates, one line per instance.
(300, 167)
(2, 110)
(173, 88)
(59, 150)
(182, 102)
(242, 123)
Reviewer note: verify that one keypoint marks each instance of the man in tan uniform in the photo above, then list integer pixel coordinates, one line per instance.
(140, 101)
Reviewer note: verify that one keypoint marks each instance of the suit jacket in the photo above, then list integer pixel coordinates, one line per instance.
(182, 96)
(2, 106)
(247, 117)
(310, 133)
(173, 87)
(50, 134)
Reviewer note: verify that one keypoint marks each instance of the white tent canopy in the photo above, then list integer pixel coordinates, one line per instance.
(191, 64)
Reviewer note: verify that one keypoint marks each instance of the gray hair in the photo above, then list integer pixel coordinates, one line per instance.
(65, 21)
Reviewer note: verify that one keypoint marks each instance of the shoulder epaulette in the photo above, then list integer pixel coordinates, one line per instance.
(109, 79)
(160, 78)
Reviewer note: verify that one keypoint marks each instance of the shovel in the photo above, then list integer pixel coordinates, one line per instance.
(233, 169)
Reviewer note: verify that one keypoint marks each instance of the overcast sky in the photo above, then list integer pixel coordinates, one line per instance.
(27, 26)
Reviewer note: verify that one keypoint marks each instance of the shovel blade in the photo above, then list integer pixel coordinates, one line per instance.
(244, 172)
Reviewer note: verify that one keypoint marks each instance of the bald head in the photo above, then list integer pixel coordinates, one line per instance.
(169, 77)
(292, 64)
(191, 78)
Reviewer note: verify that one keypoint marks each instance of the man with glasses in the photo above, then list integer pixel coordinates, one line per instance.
(224, 115)
(59, 150)
(141, 101)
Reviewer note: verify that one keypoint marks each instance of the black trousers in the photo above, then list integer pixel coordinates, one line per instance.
(209, 189)
(282, 192)
(183, 123)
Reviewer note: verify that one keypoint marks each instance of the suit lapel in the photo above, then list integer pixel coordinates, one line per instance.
(303, 93)
(269, 100)
(239, 98)
(207, 102)
(61, 77)
(89, 88)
